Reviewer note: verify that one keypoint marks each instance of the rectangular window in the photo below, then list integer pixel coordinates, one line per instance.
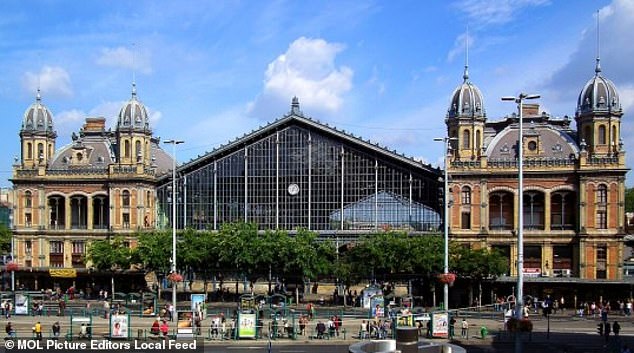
(465, 220)
(602, 219)
(79, 248)
(602, 259)
(28, 247)
(56, 254)
(28, 219)
(126, 220)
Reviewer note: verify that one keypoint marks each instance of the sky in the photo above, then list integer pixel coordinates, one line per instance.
(211, 71)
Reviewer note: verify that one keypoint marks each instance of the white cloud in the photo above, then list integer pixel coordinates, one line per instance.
(494, 12)
(122, 57)
(307, 70)
(459, 45)
(52, 81)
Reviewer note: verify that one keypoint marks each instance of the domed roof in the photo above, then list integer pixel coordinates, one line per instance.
(598, 95)
(37, 118)
(466, 101)
(133, 114)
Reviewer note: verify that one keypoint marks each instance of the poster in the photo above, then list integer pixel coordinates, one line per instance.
(21, 304)
(246, 326)
(198, 304)
(377, 306)
(440, 325)
(119, 326)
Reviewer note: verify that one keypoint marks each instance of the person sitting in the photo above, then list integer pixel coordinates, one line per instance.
(164, 329)
(149, 310)
(155, 330)
(321, 329)
(84, 331)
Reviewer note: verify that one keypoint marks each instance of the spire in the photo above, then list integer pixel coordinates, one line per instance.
(597, 68)
(133, 71)
(38, 97)
(465, 76)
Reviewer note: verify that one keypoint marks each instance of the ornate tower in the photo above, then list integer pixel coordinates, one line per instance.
(37, 136)
(465, 120)
(598, 116)
(133, 133)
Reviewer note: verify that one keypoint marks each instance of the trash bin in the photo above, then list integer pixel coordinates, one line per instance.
(483, 332)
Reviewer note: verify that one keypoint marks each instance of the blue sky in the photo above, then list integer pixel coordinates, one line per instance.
(210, 71)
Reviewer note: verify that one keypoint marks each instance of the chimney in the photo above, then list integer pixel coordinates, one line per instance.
(95, 124)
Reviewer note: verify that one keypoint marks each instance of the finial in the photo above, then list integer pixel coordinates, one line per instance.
(465, 76)
(597, 68)
(133, 89)
(38, 97)
(295, 107)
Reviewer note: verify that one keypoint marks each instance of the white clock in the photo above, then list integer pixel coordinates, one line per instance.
(293, 189)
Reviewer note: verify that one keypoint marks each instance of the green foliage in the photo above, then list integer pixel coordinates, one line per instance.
(479, 264)
(154, 251)
(5, 239)
(109, 254)
(629, 200)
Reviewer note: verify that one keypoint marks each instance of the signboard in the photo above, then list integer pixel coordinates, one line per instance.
(439, 325)
(377, 306)
(368, 293)
(21, 304)
(63, 272)
(185, 325)
(246, 326)
(119, 326)
(532, 272)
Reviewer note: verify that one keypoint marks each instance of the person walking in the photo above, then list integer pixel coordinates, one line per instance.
(616, 327)
(56, 330)
(464, 333)
(37, 329)
(606, 331)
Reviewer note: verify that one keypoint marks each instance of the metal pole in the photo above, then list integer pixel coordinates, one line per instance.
(446, 231)
(174, 220)
(520, 224)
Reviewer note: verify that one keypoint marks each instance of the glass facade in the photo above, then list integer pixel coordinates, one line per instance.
(303, 175)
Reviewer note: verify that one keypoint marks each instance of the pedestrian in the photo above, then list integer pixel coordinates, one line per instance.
(606, 331)
(37, 329)
(464, 333)
(452, 327)
(10, 330)
(616, 327)
(56, 330)
(7, 309)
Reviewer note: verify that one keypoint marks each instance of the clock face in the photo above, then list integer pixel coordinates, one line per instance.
(293, 189)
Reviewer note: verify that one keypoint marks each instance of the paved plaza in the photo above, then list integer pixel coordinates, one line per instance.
(567, 333)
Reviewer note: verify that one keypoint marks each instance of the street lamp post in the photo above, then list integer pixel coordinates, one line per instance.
(446, 140)
(519, 297)
(173, 269)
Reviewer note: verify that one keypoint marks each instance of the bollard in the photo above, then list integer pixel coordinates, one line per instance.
(483, 332)
(343, 330)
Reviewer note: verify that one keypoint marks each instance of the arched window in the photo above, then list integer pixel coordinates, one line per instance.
(125, 198)
(614, 137)
(50, 150)
(478, 142)
(466, 195)
(29, 151)
(40, 150)
(602, 135)
(137, 151)
(28, 199)
(148, 199)
(501, 210)
(126, 149)
(466, 139)
(533, 210)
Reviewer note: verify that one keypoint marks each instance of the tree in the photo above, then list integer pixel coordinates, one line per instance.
(478, 265)
(5, 239)
(153, 252)
(629, 199)
(111, 255)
